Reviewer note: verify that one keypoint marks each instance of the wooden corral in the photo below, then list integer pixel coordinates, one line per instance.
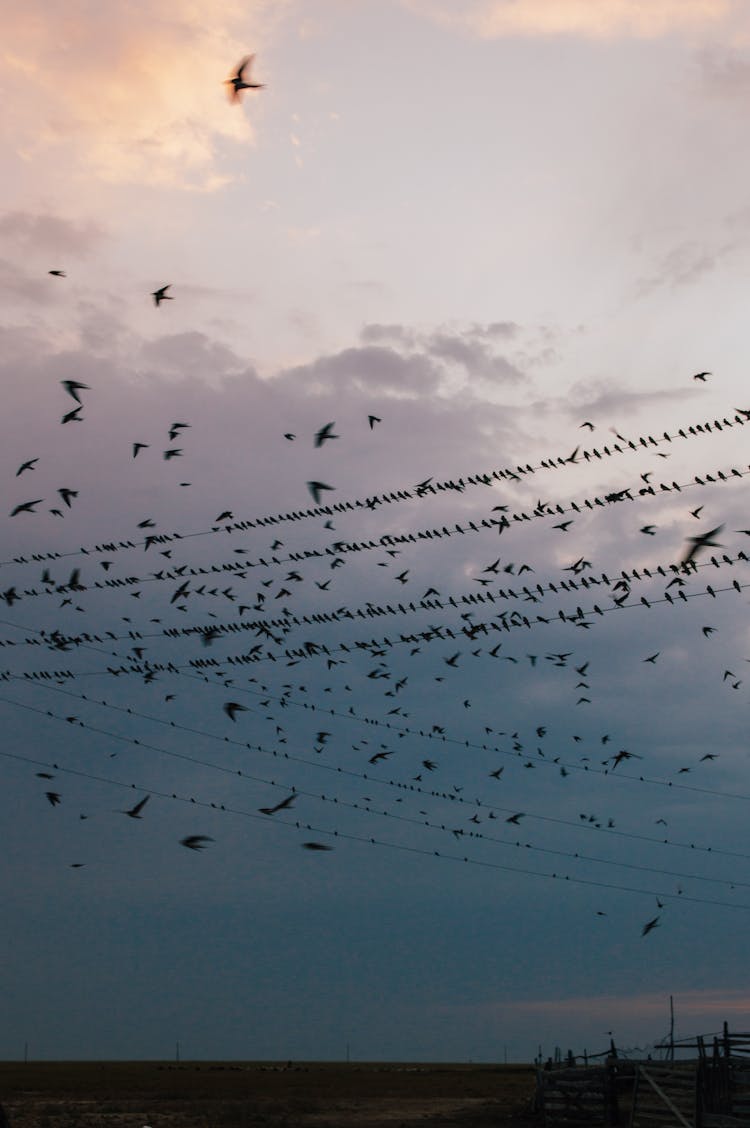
(710, 1090)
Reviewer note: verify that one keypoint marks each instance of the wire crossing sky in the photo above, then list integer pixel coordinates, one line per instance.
(375, 516)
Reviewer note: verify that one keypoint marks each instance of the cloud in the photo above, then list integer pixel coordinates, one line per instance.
(50, 234)
(589, 19)
(682, 266)
(724, 71)
(124, 93)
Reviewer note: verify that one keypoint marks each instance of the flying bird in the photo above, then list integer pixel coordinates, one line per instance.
(58, 273)
(231, 707)
(372, 420)
(26, 507)
(650, 925)
(279, 806)
(315, 846)
(73, 416)
(237, 81)
(135, 812)
(73, 387)
(161, 295)
(315, 488)
(53, 797)
(324, 433)
(196, 841)
(703, 540)
(26, 466)
(701, 376)
(137, 447)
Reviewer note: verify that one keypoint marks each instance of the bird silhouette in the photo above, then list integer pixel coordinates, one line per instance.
(279, 806)
(232, 707)
(238, 83)
(161, 295)
(703, 540)
(135, 812)
(73, 387)
(649, 926)
(73, 416)
(196, 841)
(701, 376)
(315, 846)
(26, 507)
(26, 466)
(315, 489)
(325, 432)
(58, 273)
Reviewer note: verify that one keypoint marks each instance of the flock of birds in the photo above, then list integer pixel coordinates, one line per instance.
(272, 609)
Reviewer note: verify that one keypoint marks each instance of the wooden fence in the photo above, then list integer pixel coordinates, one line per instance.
(710, 1090)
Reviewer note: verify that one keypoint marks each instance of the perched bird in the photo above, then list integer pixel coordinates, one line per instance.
(196, 841)
(238, 83)
(161, 295)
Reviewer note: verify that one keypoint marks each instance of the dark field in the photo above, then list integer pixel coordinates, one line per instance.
(250, 1094)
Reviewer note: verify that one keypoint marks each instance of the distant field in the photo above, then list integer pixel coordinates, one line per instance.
(272, 1095)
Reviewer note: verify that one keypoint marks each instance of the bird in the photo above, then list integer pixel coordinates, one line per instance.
(652, 658)
(237, 81)
(73, 387)
(279, 806)
(649, 530)
(515, 819)
(26, 507)
(26, 466)
(67, 494)
(58, 273)
(53, 797)
(196, 841)
(135, 812)
(137, 447)
(703, 540)
(175, 428)
(315, 489)
(232, 707)
(315, 846)
(325, 432)
(701, 376)
(73, 416)
(649, 926)
(372, 420)
(161, 295)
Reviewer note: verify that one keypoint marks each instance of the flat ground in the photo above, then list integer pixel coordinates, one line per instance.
(255, 1094)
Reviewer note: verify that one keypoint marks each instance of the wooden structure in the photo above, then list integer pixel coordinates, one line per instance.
(709, 1090)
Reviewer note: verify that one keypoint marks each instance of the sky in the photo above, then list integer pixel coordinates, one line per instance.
(374, 633)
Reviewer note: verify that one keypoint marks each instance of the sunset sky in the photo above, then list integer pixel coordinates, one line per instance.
(501, 247)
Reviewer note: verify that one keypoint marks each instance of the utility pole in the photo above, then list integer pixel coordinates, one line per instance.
(177, 1053)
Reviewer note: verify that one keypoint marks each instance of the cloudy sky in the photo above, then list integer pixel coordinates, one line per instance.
(436, 695)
